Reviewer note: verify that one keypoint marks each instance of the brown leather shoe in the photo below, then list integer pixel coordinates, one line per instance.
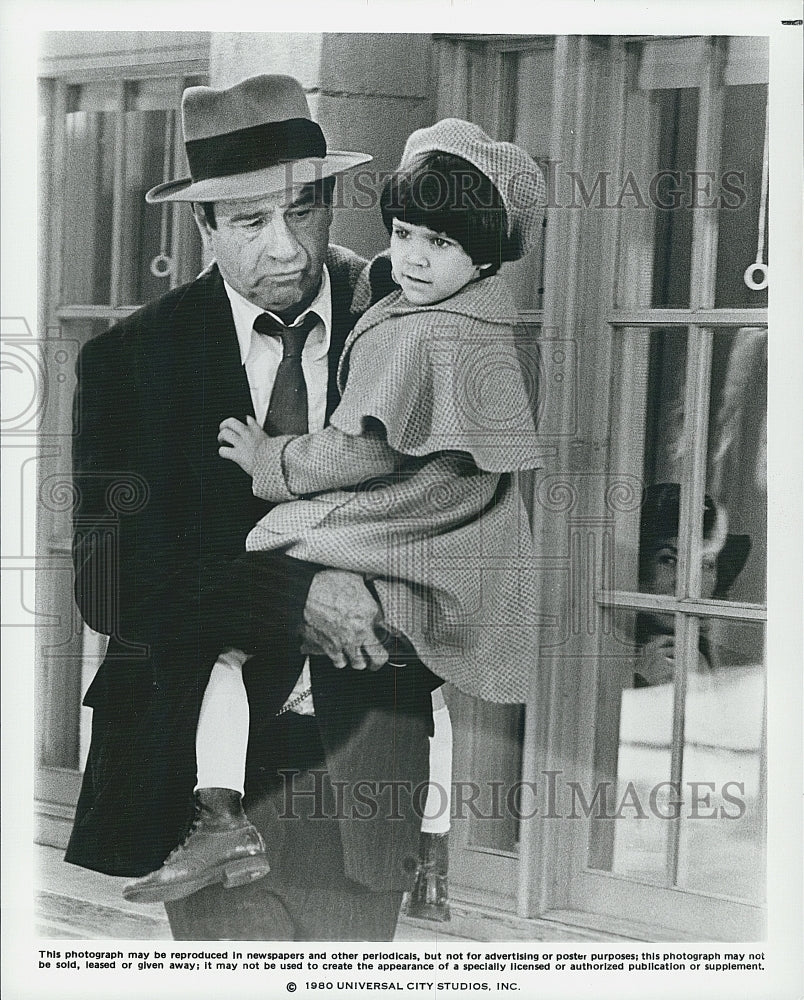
(222, 846)
(428, 899)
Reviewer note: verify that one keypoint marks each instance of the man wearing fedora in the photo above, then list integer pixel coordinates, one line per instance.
(159, 531)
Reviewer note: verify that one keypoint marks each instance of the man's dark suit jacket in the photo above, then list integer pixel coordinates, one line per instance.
(159, 533)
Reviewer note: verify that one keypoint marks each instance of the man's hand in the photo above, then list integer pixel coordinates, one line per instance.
(340, 617)
(240, 442)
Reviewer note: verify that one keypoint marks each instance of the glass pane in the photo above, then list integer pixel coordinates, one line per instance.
(649, 436)
(147, 229)
(653, 197)
(677, 113)
(722, 844)
(736, 475)
(629, 832)
(738, 218)
(88, 207)
(59, 636)
(495, 815)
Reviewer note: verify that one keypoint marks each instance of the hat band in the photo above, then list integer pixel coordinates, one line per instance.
(255, 148)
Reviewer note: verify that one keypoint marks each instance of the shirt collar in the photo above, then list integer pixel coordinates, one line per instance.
(244, 313)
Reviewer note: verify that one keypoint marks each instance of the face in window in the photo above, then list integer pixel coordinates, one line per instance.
(660, 569)
(271, 249)
(429, 266)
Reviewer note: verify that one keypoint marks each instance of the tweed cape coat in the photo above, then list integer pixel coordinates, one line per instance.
(161, 568)
(443, 533)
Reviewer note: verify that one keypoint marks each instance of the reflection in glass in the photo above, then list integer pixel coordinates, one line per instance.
(738, 218)
(736, 467)
(144, 230)
(652, 364)
(487, 800)
(88, 201)
(633, 752)
(677, 114)
(655, 202)
(146, 135)
(721, 846)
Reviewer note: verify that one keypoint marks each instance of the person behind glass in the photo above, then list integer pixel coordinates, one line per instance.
(722, 559)
(404, 483)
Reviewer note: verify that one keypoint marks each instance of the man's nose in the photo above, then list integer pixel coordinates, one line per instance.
(281, 244)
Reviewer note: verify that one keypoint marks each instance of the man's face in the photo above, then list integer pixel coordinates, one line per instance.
(271, 249)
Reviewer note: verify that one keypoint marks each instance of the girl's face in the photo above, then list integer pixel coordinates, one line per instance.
(661, 572)
(429, 266)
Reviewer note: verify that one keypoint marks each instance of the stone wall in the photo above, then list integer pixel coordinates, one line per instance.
(367, 91)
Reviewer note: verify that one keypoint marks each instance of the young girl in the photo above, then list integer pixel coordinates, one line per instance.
(414, 482)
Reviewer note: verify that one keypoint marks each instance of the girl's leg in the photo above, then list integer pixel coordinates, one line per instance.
(439, 795)
(222, 846)
(221, 738)
(429, 898)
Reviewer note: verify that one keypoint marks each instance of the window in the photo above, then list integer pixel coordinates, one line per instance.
(656, 153)
(680, 684)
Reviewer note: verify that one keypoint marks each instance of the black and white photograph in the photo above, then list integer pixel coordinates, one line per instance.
(402, 518)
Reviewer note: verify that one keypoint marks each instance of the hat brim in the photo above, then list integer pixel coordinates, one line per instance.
(730, 561)
(268, 180)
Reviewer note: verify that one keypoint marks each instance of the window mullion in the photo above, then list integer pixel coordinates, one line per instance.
(707, 166)
(696, 412)
(176, 207)
(118, 202)
(56, 219)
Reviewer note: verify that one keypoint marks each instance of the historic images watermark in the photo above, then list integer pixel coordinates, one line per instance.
(553, 797)
(663, 190)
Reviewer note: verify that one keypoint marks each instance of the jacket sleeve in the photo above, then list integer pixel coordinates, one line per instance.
(134, 579)
(288, 468)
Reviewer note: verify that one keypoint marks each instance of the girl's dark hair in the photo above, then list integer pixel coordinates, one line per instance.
(450, 195)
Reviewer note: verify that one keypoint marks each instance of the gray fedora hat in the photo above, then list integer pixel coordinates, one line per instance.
(252, 139)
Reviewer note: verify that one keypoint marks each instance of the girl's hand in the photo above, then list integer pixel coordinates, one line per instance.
(657, 659)
(240, 441)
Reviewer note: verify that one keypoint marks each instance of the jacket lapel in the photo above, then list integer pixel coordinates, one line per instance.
(342, 322)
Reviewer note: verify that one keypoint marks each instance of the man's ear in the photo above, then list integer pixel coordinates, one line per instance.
(204, 227)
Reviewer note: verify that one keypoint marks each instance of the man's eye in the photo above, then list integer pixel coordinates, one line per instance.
(439, 241)
(401, 234)
(300, 213)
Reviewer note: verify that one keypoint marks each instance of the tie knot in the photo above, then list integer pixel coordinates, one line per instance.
(293, 337)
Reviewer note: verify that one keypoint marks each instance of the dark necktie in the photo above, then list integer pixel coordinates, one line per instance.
(287, 411)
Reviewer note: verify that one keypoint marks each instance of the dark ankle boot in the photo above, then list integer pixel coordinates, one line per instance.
(222, 846)
(429, 899)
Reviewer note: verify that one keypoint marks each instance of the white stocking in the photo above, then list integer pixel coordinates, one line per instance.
(436, 817)
(221, 738)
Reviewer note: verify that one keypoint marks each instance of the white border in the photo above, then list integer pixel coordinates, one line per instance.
(19, 23)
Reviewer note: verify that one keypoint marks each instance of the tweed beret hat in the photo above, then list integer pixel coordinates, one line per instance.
(511, 169)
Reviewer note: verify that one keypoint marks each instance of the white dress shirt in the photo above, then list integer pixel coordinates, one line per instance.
(260, 355)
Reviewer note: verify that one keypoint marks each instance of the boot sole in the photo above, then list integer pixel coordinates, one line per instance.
(230, 874)
(429, 911)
